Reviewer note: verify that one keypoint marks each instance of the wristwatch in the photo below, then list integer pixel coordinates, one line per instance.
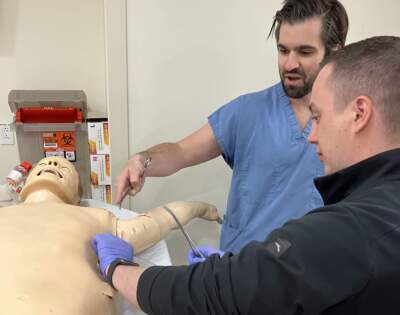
(114, 265)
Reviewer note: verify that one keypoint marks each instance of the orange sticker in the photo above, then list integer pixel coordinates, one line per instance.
(66, 140)
(60, 143)
(50, 141)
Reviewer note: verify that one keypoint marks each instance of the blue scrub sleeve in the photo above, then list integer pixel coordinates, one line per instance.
(224, 123)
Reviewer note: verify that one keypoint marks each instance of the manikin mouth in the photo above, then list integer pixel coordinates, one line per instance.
(50, 171)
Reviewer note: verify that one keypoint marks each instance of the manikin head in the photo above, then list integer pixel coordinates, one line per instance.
(306, 31)
(52, 177)
(355, 103)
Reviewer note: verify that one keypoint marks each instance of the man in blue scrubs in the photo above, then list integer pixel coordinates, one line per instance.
(262, 136)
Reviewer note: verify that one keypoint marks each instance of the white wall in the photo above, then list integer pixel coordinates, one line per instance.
(186, 58)
(50, 44)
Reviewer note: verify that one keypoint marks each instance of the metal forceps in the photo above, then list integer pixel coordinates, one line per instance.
(189, 240)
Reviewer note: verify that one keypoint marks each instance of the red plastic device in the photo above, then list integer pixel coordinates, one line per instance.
(49, 114)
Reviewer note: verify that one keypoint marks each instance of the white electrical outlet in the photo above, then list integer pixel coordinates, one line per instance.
(6, 134)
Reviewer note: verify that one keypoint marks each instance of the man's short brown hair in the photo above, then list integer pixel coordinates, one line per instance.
(370, 67)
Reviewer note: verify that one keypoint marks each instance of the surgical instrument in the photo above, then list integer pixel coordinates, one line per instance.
(123, 196)
(146, 164)
(190, 241)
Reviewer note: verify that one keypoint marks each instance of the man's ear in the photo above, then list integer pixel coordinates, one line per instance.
(362, 110)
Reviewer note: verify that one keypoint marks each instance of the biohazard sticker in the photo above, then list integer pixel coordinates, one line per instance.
(60, 143)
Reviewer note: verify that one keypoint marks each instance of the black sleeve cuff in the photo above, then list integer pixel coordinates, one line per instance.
(145, 284)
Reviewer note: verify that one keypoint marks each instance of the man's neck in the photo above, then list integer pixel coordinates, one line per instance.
(301, 110)
(301, 103)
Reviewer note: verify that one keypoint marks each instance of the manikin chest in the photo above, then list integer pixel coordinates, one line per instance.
(47, 266)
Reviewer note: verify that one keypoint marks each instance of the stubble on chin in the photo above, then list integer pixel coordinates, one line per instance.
(296, 92)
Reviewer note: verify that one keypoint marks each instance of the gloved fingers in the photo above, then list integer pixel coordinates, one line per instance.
(191, 255)
(93, 243)
(196, 260)
(193, 258)
(111, 242)
(109, 247)
(206, 250)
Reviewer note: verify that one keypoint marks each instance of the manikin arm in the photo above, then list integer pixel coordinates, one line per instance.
(149, 228)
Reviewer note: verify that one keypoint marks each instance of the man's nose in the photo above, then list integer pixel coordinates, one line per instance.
(292, 62)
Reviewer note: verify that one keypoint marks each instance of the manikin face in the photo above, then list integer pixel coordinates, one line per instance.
(300, 51)
(55, 174)
(331, 126)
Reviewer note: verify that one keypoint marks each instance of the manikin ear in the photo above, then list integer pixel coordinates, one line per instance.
(362, 110)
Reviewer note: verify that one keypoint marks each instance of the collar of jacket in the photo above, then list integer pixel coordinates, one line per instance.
(381, 167)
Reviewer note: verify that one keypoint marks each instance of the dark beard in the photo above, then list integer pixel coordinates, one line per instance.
(297, 92)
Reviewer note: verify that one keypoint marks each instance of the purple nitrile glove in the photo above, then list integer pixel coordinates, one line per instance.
(109, 248)
(206, 251)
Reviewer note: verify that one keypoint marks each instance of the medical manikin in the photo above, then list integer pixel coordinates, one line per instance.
(47, 265)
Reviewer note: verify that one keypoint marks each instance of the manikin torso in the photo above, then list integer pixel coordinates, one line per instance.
(47, 265)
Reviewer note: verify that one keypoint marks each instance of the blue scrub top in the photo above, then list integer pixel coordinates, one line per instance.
(273, 165)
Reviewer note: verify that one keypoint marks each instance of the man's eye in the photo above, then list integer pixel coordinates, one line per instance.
(315, 118)
(306, 52)
(282, 51)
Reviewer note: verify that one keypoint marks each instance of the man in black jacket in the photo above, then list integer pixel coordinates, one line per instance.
(342, 258)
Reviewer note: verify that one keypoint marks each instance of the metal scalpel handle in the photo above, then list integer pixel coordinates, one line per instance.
(123, 197)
